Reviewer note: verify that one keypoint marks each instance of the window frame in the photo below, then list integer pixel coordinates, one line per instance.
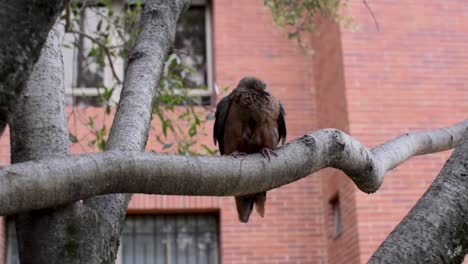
(8, 225)
(336, 217)
(171, 213)
(108, 80)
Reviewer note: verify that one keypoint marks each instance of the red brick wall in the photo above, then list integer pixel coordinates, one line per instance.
(2, 239)
(408, 76)
(332, 112)
(4, 160)
(411, 75)
(5, 148)
(247, 43)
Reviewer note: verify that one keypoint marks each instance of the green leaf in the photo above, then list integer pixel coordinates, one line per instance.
(173, 63)
(107, 93)
(101, 145)
(72, 138)
(165, 124)
(90, 122)
(208, 150)
(92, 52)
(193, 130)
(102, 131)
(98, 27)
(168, 145)
(108, 109)
(293, 35)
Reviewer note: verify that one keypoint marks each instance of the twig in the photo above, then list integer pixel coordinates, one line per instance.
(106, 50)
(372, 14)
(68, 29)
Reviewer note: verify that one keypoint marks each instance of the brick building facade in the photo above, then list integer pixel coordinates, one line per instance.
(373, 84)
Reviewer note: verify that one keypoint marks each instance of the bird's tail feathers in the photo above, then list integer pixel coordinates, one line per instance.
(244, 205)
(260, 200)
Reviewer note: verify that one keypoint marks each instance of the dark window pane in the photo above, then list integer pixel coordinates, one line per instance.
(190, 44)
(90, 62)
(336, 211)
(170, 239)
(12, 256)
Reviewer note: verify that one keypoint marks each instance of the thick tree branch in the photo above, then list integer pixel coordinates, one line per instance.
(154, 43)
(46, 183)
(132, 120)
(39, 131)
(435, 230)
(39, 127)
(24, 25)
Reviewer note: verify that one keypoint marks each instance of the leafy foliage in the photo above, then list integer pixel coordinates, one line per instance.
(181, 115)
(179, 118)
(300, 17)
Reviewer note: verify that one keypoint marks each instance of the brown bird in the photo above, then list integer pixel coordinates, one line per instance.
(249, 120)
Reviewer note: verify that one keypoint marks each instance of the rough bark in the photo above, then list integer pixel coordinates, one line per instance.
(435, 230)
(46, 183)
(24, 25)
(132, 120)
(89, 232)
(97, 222)
(39, 131)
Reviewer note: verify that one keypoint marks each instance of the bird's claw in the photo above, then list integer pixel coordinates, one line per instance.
(267, 153)
(237, 154)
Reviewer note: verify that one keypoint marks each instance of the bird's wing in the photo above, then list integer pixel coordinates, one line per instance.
(222, 110)
(282, 125)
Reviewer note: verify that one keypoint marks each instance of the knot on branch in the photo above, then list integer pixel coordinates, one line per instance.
(338, 144)
(136, 55)
(308, 140)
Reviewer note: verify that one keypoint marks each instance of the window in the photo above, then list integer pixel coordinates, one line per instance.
(336, 216)
(191, 42)
(11, 253)
(89, 73)
(85, 77)
(86, 68)
(170, 239)
(158, 239)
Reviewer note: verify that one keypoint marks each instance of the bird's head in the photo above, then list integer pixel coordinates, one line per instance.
(252, 83)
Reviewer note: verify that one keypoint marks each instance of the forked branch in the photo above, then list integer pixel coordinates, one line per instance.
(48, 183)
(435, 230)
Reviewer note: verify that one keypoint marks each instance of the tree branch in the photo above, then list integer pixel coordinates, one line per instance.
(372, 14)
(39, 130)
(132, 120)
(47, 183)
(21, 20)
(435, 230)
(104, 48)
(69, 29)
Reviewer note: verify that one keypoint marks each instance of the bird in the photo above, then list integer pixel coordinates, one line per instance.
(249, 120)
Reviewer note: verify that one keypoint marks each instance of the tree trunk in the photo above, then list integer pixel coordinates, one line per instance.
(88, 231)
(436, 229)
(38, 131)
(24, 25)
